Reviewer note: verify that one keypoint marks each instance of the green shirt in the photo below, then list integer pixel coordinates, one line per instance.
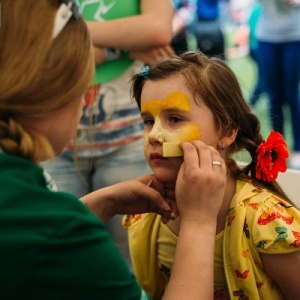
(109, 10)
(52, 246)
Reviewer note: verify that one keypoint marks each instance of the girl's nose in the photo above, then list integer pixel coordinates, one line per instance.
(156, 135)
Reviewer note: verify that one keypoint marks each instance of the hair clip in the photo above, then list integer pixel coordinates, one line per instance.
(76, 10)
(145, 72)
(66, 10)
(271, 157)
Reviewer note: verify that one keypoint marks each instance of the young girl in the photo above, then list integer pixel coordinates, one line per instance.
(258, 228)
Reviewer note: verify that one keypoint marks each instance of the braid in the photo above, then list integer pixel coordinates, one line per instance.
(16, 140)
(249, 138)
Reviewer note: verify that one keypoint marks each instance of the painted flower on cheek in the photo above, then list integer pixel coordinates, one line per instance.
(271, 157)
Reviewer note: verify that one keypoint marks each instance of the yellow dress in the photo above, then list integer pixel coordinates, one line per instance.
(258, 222)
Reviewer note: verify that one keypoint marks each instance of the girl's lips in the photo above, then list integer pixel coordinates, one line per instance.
(156, 156)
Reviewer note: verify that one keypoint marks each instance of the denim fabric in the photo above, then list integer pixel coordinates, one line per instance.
(259, 87)
(281, 74)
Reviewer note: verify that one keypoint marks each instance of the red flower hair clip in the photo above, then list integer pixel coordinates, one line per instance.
(271, 157)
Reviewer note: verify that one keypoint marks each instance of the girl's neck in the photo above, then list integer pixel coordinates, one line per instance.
(229, 194)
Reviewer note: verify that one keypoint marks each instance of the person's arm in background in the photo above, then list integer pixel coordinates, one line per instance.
(150, 56)
(184, 16)
(148, 47)
(152, 28)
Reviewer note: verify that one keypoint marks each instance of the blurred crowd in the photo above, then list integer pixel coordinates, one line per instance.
(268, 34)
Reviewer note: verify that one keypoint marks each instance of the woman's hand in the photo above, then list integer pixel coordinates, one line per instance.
(200, 189)
(201, 182)
(141, 195)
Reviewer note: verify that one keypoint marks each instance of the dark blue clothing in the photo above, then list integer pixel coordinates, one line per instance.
(281, 72)
(253, 53)
(259, 88)
(208, 31)
(208, 9)
(185, 10)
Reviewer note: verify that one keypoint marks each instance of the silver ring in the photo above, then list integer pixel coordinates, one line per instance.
(215, 162)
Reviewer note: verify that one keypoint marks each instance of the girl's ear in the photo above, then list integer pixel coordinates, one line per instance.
(228, 139)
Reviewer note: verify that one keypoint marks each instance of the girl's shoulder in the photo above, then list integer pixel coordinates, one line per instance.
(249, 193)
(271, 222)
(147, 220)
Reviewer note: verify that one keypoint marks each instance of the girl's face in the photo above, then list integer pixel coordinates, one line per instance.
(170, 114)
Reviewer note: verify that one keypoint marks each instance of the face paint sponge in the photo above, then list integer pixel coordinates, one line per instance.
(172, 149)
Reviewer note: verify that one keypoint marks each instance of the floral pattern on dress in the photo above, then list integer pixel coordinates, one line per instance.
(221, 295)
(129, 220)
(297, 238)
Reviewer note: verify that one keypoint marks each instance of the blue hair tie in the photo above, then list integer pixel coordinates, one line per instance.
(145, 72)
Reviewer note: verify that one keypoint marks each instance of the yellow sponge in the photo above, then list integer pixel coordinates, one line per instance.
(172, 149)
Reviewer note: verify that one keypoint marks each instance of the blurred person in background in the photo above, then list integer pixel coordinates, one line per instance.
(245, 38)
(278, 33)
(208, 31)
(183, 23)
(253, 53)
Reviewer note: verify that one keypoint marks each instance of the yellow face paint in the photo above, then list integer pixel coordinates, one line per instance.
(176, 100)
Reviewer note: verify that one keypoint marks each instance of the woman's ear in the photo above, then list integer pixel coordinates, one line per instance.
(228, 139)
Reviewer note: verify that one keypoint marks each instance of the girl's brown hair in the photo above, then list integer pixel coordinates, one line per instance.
(38, 74)
(217, 85)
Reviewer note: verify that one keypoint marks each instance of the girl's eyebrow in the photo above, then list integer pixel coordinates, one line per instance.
(166, 109)
(175, 109)
(144, 113)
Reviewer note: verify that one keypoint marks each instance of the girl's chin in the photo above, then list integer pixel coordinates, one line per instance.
(164, 176)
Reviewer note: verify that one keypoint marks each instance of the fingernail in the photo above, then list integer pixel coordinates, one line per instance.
(150, 182)
(173, 215)
(166, 206)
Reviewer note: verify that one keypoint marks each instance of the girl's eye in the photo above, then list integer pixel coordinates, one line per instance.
(174, 119)
(148, 122)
